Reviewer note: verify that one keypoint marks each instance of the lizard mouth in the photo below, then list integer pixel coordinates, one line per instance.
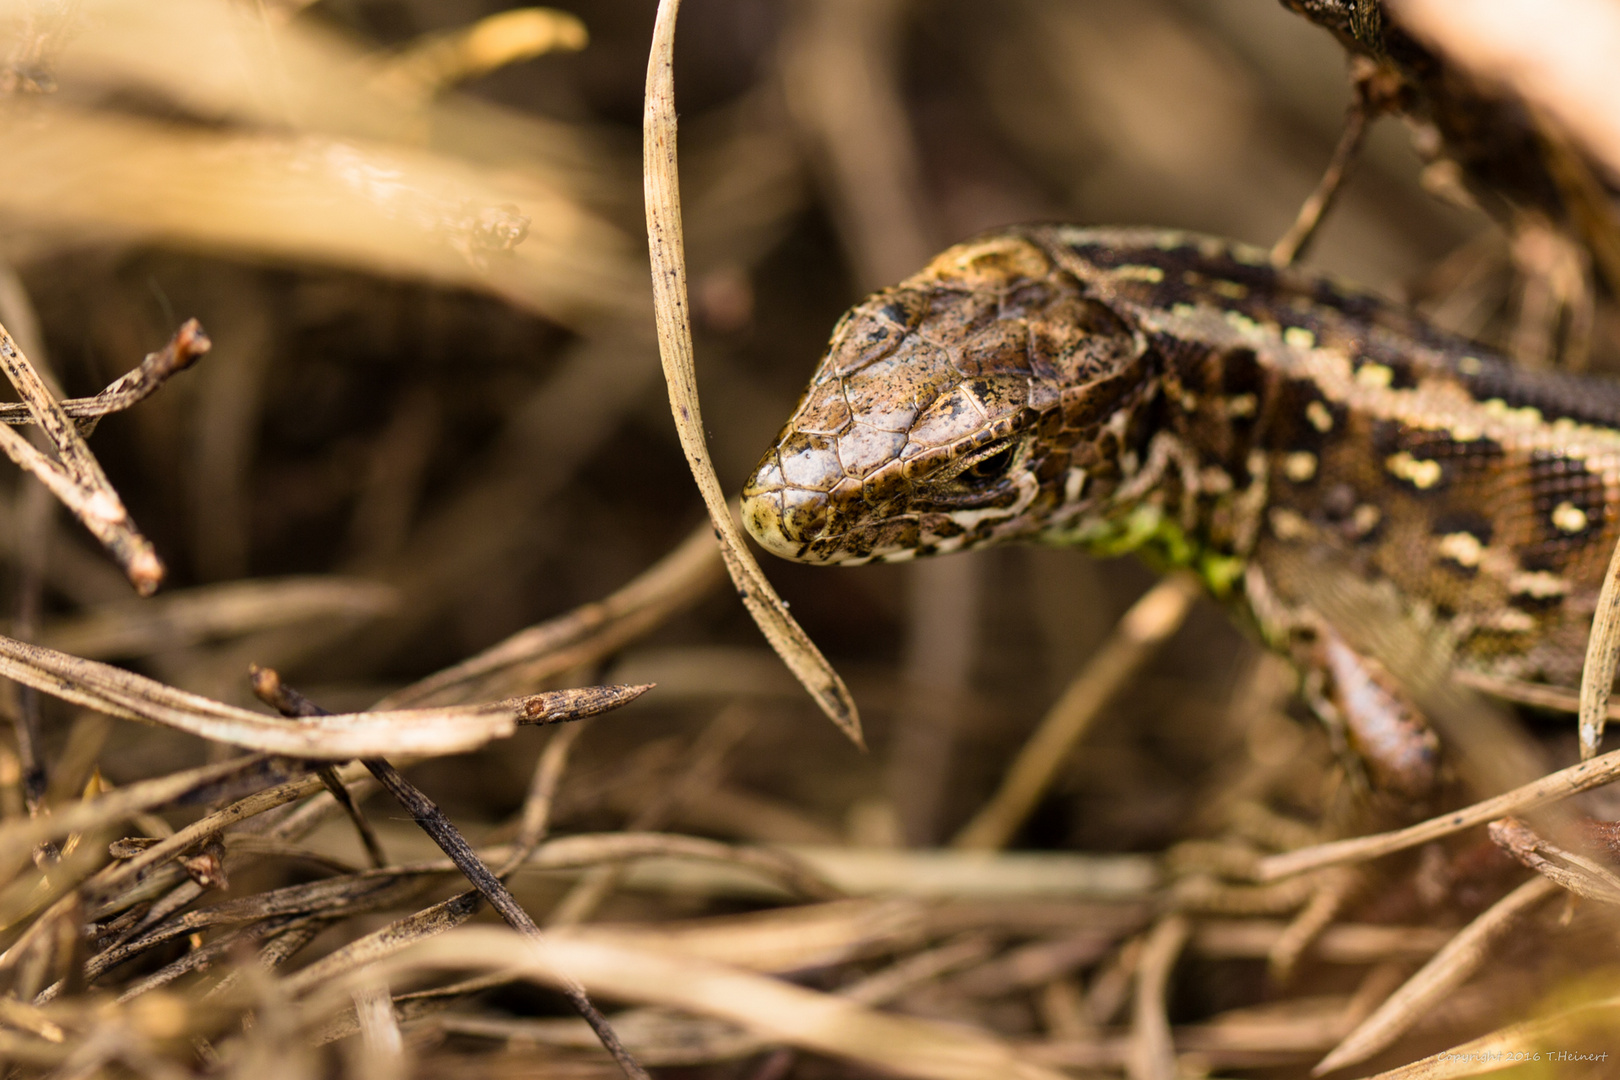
(764, 517)
(806, 527)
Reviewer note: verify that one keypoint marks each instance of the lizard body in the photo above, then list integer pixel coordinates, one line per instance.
(1172, 394)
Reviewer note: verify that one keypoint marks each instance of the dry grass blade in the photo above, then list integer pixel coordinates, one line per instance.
(1147, 625)
(788, 871)
(1550, 788)
(1446, 970)
(866, 872)
(536, 816)
(1291, 246)
(1345, 943)
(660, 1037)
(1602, 656)
(787, 939)
(382, 1046)
(1555, 698)
(134, 869)
(18, 838)
(429, 65)
(335, 897)
(778, 1011)
(1511, 1046)
(76, 477)
(1153, 1051)
(799, 875)
(339, 737)
(581, 636)
(667, 246)
(392, 210)
(302, 75)
(397, 935)
(668, 1037)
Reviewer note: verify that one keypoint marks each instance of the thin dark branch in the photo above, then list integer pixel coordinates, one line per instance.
(368, 836)
(1291, 247)
(284, 699)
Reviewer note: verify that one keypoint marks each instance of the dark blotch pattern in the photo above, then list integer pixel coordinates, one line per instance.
(1557, 481)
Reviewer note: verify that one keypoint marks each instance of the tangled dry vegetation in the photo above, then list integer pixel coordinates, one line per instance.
(416, 461)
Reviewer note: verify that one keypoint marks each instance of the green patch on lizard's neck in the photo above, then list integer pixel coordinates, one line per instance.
(1157, 540)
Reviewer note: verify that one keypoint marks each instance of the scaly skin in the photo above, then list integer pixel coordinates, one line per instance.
(1131, 389)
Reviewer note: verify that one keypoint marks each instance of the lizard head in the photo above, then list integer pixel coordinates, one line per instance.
(983, 399)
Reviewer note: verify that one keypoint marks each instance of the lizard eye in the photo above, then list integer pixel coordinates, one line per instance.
(982, 473)
(980, 480)
(987, 470)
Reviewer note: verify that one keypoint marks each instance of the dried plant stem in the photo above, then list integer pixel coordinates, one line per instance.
(1602, 655)
(451, 913)
(1521, 692)
(17, 838)
(536, 815)
(667, 247)
(130, 871)
(188, 345)
(341, 737)
(368, 837)
(1146, 626)
(1290, 248)
(1446, 970)
(581, 636)
(919, 968)
(1503, 1048)
(434, 62)
(1153, 1051)
(426, 813)
(1333, 889)
(76, 477)
(445, 915)
(1550, 788)
(775, 1009)
(701, 770)
(38, 520)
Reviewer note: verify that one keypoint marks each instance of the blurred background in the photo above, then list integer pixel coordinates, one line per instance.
(414, 233)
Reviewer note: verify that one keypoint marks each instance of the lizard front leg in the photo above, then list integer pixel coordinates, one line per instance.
(1366, 710)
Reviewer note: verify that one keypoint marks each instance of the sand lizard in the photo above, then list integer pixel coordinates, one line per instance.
(1175, 395)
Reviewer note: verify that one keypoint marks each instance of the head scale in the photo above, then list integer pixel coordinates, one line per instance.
(981, 400)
